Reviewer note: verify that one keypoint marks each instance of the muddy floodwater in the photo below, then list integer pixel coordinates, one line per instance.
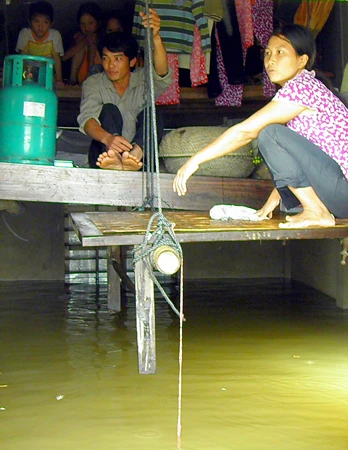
(265, 366)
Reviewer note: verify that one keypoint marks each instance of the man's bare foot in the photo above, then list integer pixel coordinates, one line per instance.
(126, 161)
(137, 152)
(110, 160)
(307, 219)
(132, 160)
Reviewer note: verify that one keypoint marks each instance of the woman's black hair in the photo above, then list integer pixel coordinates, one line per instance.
(301, 38)
(41, 8)
(91, 8)
(303, 41)
(119, 42)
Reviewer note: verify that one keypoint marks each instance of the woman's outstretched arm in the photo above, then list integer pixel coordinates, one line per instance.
(235, 137)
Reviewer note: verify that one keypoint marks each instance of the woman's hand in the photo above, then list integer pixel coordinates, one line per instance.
(179, 184)
(270, 205)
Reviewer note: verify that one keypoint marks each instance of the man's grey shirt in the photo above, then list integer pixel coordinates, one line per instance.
(98, 90)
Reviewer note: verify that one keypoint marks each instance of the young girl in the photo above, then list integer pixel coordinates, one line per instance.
(84, 55)
(307, 158)
(113, 22)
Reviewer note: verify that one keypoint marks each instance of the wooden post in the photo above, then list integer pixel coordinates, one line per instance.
(145, 317)
(114, 282)
(342, 279)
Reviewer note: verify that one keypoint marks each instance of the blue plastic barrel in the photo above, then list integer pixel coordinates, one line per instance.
(28, 111)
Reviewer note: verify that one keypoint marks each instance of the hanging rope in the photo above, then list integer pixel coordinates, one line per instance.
(163, 234)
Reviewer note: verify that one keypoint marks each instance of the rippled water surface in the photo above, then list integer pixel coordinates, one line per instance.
(265, 367)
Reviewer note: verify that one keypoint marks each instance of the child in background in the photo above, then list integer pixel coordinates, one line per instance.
(84, 53)
(40, 39)
(113, 22)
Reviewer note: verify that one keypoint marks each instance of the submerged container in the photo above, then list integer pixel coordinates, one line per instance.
(28, 111)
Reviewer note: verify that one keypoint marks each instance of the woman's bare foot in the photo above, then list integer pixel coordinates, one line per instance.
(309, 218)
(314, 214)
(110, 160)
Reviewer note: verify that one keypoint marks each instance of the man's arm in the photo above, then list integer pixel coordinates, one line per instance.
(160, 59)
(96, 132)
(111, 142)
(90, 108)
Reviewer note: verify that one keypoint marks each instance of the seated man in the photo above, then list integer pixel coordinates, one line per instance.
(111, 110)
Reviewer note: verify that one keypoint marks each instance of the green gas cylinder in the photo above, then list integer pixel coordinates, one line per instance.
(28, 111)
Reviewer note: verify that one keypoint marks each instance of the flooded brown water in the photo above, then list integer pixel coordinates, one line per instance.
(265, 366)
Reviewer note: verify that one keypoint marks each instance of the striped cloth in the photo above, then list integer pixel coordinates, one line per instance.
(178, 19)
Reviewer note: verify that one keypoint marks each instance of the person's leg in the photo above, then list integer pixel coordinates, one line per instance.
(302, 170)
(138, 140)
(76, 63)
(111, 120)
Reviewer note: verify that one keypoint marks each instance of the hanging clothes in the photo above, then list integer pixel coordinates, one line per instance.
(319, 11)
(226, 63)
(230, 95)
(214, 9)
(214, 87)
(171, 96)
(262, 12)
(198, 71)
(178, 19)
(231, 47)
(246, 26)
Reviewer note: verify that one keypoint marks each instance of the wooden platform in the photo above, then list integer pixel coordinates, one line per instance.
(128, 228)
(24, 182)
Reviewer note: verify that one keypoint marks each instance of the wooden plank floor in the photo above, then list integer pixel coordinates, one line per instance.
(127, 228)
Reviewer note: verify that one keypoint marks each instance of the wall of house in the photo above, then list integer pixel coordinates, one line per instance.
(236, 260)
(317, 263)
(32, 243)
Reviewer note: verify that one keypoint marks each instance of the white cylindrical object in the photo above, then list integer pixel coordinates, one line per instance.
(166, 259)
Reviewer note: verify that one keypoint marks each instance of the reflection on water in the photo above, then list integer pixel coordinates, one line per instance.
(265, 367)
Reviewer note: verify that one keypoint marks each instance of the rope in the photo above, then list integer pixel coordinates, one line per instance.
(182, 319)
(164, 232)
(163, 235)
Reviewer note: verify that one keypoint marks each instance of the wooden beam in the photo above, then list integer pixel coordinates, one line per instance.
(114, 281)
(121, 272)
(145, 318)
(24, 182)
(128, 228)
